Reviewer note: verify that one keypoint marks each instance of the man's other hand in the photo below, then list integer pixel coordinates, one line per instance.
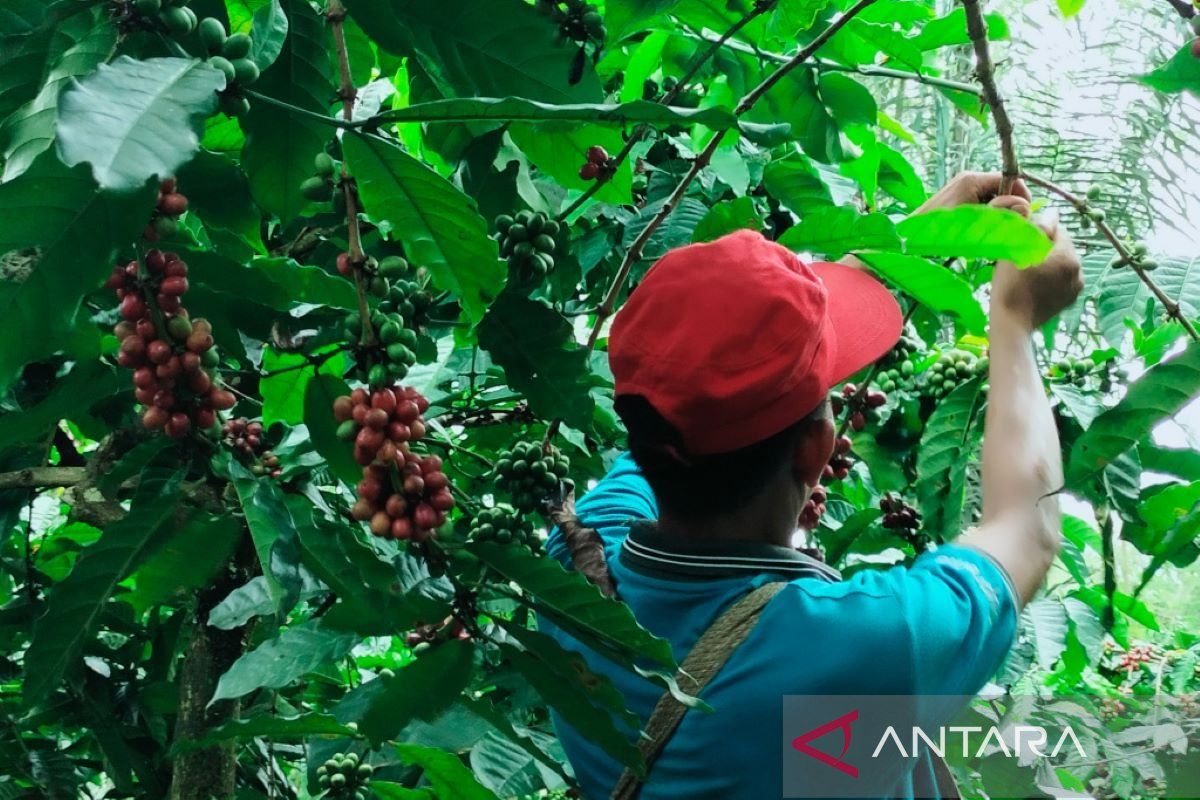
(1033, 295)
(966, 188)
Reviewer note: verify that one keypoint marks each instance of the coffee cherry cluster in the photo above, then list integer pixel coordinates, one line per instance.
(173, 15)
(952, 368)
(394, 320)
(245, 437)
(598, 164)
(1110, 708)
(867, 409)
(898, 515)
(578, 21)
(1079, 372)
(402, 495)
(504, 525)
(229, 54)
(839, 463)
(1139, 256)
(424, 638)
(528, 242)
(325, 185)
(529, 474)
(172, 357)
(167, 210)
(345, 776)
(814, 507)
(896, 368)
(687, 97)
(1133, 658)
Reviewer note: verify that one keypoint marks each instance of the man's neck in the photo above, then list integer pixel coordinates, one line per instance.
(770, 524)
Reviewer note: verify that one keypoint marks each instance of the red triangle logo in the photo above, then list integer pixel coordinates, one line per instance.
(842, 723)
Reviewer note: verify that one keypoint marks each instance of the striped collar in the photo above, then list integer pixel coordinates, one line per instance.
(649, 551)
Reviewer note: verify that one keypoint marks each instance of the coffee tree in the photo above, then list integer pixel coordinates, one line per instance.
(305, 317)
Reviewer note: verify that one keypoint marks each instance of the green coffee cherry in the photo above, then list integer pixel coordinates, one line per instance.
(246, 71)
(212, 34)
(236, 46)
(225, 66)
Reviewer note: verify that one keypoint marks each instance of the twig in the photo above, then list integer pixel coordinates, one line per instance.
(1107, 615)
(42, 477)
(310, 361)
(259, 97)
(336, 14)
(985, 71)
(617, 160)
(1081, 205)
(867, 70)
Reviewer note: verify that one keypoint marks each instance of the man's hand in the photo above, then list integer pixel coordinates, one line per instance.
(968, 188)
(1031, 296)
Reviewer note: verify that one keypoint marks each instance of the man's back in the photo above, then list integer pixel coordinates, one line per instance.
(939, 628)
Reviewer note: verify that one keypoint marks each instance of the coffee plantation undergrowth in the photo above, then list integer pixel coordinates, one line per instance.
(306, 315)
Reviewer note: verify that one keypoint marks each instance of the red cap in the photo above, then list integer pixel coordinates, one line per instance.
(734, 340)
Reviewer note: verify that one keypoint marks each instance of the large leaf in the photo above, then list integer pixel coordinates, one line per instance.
(91, 379)
(422, 690)
(931, 285)
(952, 29)
(274, 534)
(1048, 620)
(44, 216)
(1168, 524)
(319, 394)
(479, 48)
(437, 224)
(76, 604)
(796, 184)
(1160, 393)
(837, 230)
(951, 437)
(218, 190)
(1181, 73)
(80, 44)
(268, 32)
(275, 663)
(536, 347)
(271, 727)
(448, 776)
(725, 217)
(135, 120)
(974, 231)
(559, 148)
(279, 151)
(189, 559)
(520, 109)
(574, 602)
(285, 386)
(1120, 295)
(278, 283)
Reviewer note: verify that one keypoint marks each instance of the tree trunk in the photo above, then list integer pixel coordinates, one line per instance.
(210, 773)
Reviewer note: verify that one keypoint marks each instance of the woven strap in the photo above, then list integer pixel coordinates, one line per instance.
(704, 661)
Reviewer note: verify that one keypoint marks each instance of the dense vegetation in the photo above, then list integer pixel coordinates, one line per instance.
(305, 313)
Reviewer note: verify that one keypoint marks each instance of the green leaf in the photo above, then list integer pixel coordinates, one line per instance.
(725, 217)
(849, 101)
(219, 192)
(1160, 393)
(572, 600)
(974, 232)
(479, 48)
(536, 347)
(189, 559)
(559, 149)
(279, 150)
(1120, 295)
(87, 379)
(251, 599)
(931, 285)
(948, 444)
(77, 603)
(520, 109)
(283, 393)
(319, 394)
(277, 662)
(791, 17)
(44, 215)
(1048, 620)
(81, 43)
(795, 100)
(267, 34)
(437, 224)
(422, 690)
(796, 184)
(448, 776)
(1181, 73)
(274, 534)
(509, 769)
(1069, 8)
(553, 686)
(135, 120)
(1182, 463)
(1169, 522)
(278, 283)
(952, 29)
(837, 230)
(271, 727)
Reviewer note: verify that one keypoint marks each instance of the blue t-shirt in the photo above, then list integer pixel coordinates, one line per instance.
(939, 627)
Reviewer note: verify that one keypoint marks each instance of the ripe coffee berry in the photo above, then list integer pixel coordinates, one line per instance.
(402, 495)
(597, 164)
(529, 475)
(167, 210)
(839, 464)
(246, 438)
(814, 507)
(172, 356)
(422, 638)
(528, 241)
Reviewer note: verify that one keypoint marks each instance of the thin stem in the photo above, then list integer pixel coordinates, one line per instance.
(335, 12)
(1107, 616)
(42, 477)
(259, 97)
(314, 361)
(1081, 205)
(985, 71)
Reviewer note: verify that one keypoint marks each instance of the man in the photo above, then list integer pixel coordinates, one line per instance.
(723, 358)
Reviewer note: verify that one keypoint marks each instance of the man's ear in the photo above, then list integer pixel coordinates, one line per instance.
(814, 446)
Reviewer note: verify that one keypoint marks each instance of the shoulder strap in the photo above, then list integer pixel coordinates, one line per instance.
(703, 662)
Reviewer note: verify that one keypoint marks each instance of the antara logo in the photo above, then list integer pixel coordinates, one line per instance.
(1023, 741)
